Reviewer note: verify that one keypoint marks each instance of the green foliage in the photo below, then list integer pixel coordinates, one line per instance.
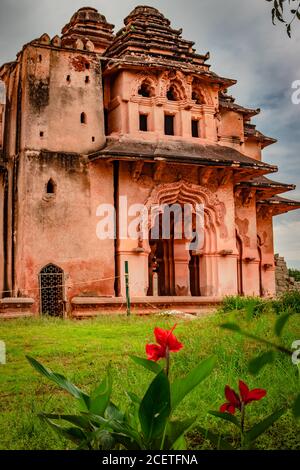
(56, 343)
(249, 437)
(252, 305)
(268, 357)
(286, 12)
(146, 425)
(288, 302)
(295, 273)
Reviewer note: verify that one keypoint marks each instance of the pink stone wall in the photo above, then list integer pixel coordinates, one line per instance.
(58, 89)
(61, 228)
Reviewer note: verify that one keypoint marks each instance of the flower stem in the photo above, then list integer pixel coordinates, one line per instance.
(242, 423)
(167, 361)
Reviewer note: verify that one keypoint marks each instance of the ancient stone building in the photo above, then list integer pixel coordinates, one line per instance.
(92, 117)
(284, 282)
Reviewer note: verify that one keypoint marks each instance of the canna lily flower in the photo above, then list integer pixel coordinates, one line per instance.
(237, 402)
(167, 342)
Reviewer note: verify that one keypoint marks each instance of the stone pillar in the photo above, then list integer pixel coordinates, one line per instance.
(182, 272)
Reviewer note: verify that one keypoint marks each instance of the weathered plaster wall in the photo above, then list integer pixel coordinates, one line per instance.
(245, 220)
(265, 234)
(60, 228)
(58, 87)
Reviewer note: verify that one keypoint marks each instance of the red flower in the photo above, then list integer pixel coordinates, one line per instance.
(235, 401)
(166, 342)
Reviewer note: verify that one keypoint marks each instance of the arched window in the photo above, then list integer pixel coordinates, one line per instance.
(146, 89)
(198, 97)
(171, 94)
(83, 119)
(51, 187)
(176, 91)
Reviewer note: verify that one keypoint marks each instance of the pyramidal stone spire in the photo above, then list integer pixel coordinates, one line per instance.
(87, 24)
(148, 32)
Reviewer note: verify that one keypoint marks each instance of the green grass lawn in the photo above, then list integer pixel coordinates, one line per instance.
(81, 350)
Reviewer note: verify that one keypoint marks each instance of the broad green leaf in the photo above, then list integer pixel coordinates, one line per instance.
(60, 380)
(150, 365)
(226, 417)
(119, 427)
(80, 421)
(100, 397)
(113, 412)
(127, 442)
(220, 443)
(182, 386)
(280, 323)
(155, 407)
(256, 364)
(74, 434)
(103, 439)
(296, 407)
(180, 444)
(134, 398)
(262, 426)
(175, 431)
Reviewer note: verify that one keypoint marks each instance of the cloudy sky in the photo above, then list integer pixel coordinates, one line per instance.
(243, 44)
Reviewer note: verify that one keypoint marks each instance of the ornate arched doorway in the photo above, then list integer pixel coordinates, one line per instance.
(51, 290)
(178, 266)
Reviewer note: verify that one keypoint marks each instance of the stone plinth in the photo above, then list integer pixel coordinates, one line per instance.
(16, 307)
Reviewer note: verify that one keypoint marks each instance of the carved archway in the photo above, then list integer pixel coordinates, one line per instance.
(182, 193)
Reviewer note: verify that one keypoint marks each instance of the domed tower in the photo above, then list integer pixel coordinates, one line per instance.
(87, 24)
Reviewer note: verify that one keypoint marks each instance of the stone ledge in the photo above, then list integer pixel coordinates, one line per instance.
(85, 307)
(16, 307)
(146, 300)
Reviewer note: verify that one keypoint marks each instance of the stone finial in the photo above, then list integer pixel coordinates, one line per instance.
(56, 41)
(89, 46)
(78, 44)
(44, 39)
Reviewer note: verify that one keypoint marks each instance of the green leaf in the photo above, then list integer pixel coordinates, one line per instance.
(80, 421)
(180, 444)
(100, 397)
(134, 398)
(150, 365)
(231, 326)
(60, 380)
(226, 417)
(280, 323)
(103, 439)
(182, 386)
(155, 407)
(263, 426)
(74, 434)
(113, 412)
(256, 364)
(296, 407)
(175, 431)
(220, 443)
